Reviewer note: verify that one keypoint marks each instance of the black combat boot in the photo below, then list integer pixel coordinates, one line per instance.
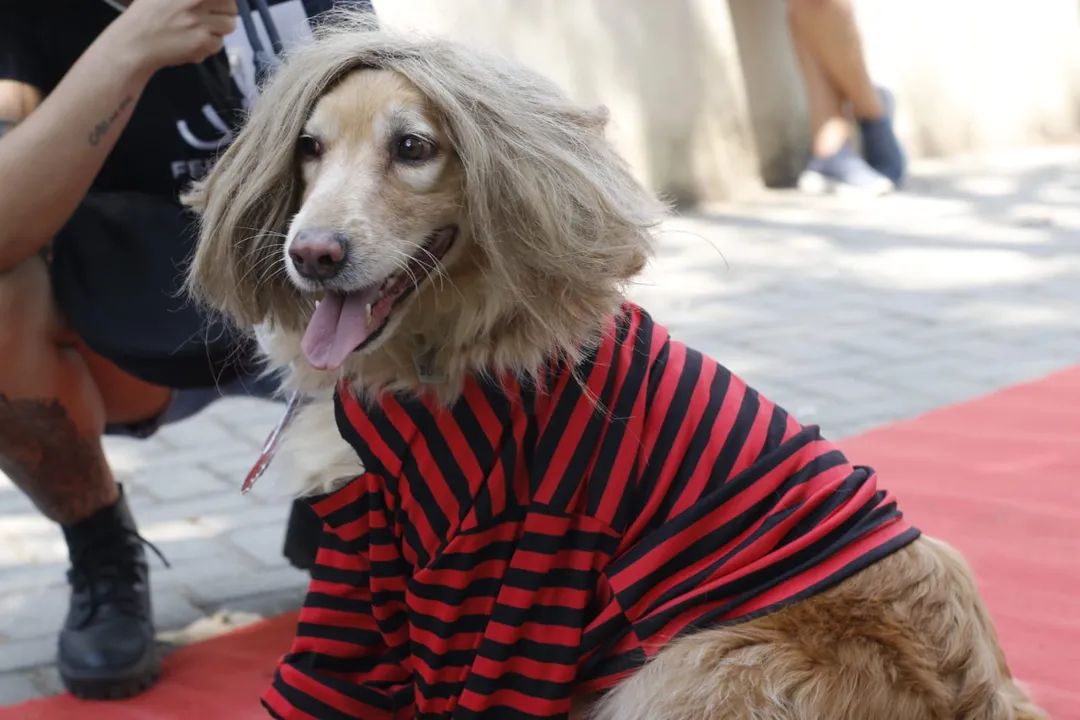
(107, 648)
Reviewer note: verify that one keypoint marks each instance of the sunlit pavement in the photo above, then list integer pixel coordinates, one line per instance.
(850, 314)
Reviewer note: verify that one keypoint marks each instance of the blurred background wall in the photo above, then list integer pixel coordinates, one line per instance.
(705, 96)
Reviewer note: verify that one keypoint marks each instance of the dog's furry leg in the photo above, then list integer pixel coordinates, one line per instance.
(905, 638)
(313, 457)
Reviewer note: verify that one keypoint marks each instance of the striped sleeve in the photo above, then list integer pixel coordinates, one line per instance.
(747, 508)
(340, 665)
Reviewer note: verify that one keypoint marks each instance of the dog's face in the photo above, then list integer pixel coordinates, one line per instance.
(380, 212)
(453, 212)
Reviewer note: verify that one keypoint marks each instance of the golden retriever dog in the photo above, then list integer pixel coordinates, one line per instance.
(535, 502)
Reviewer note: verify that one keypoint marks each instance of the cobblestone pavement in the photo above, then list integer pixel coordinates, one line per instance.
(848, 314)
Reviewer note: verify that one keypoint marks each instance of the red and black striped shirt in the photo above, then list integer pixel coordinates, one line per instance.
(527, 545)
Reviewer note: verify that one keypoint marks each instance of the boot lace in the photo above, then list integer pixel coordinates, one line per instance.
(105, 570)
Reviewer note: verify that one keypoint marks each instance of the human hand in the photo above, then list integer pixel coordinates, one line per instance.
(162, 33)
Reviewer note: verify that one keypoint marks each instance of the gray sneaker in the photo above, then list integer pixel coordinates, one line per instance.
(844, 173)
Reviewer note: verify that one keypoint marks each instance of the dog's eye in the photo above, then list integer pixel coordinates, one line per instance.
(413, 148)
(309, 147)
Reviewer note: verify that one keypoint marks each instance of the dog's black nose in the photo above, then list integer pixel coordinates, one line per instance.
(318, 254)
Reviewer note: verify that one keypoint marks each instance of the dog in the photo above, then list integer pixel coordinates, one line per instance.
(535, 502)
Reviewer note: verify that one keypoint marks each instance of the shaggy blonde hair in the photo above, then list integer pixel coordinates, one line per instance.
(560, 220)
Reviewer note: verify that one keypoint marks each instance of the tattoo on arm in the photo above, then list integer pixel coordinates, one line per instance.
(63, 471)
(6, 126)
(99, 131)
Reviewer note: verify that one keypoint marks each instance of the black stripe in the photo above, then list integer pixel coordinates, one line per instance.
(574, 539)
(704, 434)
(724, 533)
(453, 475)
(463, 624)
(554, 615)
(337, 603)
(352, 436)
(486, 454)
(456, 597)
(330, 540)
(621, 410)
(670, 428)
(702, 549)
(735, 441)
(777, 427)
(585, 447)
(308, 704)
(428, 506)
(340, 576)
(606, 665)
(839, 496)
(657, 372)
(319, 662)
(559, 419)
(494, 712)
(532, 649)
(528, 455)
(474, 432)
(530, 686)
(466, 561)
(340, 633)
(860, 563)
(524, 579)
(753, 584)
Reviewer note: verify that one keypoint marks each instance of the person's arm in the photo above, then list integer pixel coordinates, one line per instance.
(49, 156)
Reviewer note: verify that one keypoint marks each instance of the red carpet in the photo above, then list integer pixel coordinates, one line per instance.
(998, 477)
(219, 679)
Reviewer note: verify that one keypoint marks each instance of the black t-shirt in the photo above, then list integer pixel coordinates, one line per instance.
(184, 118)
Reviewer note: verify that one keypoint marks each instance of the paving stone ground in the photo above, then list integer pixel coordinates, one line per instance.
(849, 314)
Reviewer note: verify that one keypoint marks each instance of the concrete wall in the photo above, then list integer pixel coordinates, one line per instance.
(705, 96)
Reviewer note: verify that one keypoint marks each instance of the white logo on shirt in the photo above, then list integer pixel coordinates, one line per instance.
(214, 119)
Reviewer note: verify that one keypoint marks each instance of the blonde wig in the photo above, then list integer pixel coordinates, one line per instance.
(557, 219)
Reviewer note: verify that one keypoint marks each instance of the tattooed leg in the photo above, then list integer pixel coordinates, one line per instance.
(51, 412)
(61, 469)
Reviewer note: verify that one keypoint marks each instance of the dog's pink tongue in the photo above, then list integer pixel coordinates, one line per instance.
(338, 325)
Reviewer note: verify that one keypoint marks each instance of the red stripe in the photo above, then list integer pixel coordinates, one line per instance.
(755, 439)
(515, 700)
(334, 648)
(461, 579)
(358, 418)
(457, 641)
(673, 546)
(622, 466)
(604, 683)
(649, 432)
(787, 589)
(282, 707)
(662, 399)
(763, 552)
(535, 669)
(699, 403)
(417, 514)
(550, 596)
(311, 687)
(551, 634)
(583, 410)
(471, 605)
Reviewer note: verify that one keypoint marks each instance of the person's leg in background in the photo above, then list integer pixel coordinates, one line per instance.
(830, 56)
(54, 403)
